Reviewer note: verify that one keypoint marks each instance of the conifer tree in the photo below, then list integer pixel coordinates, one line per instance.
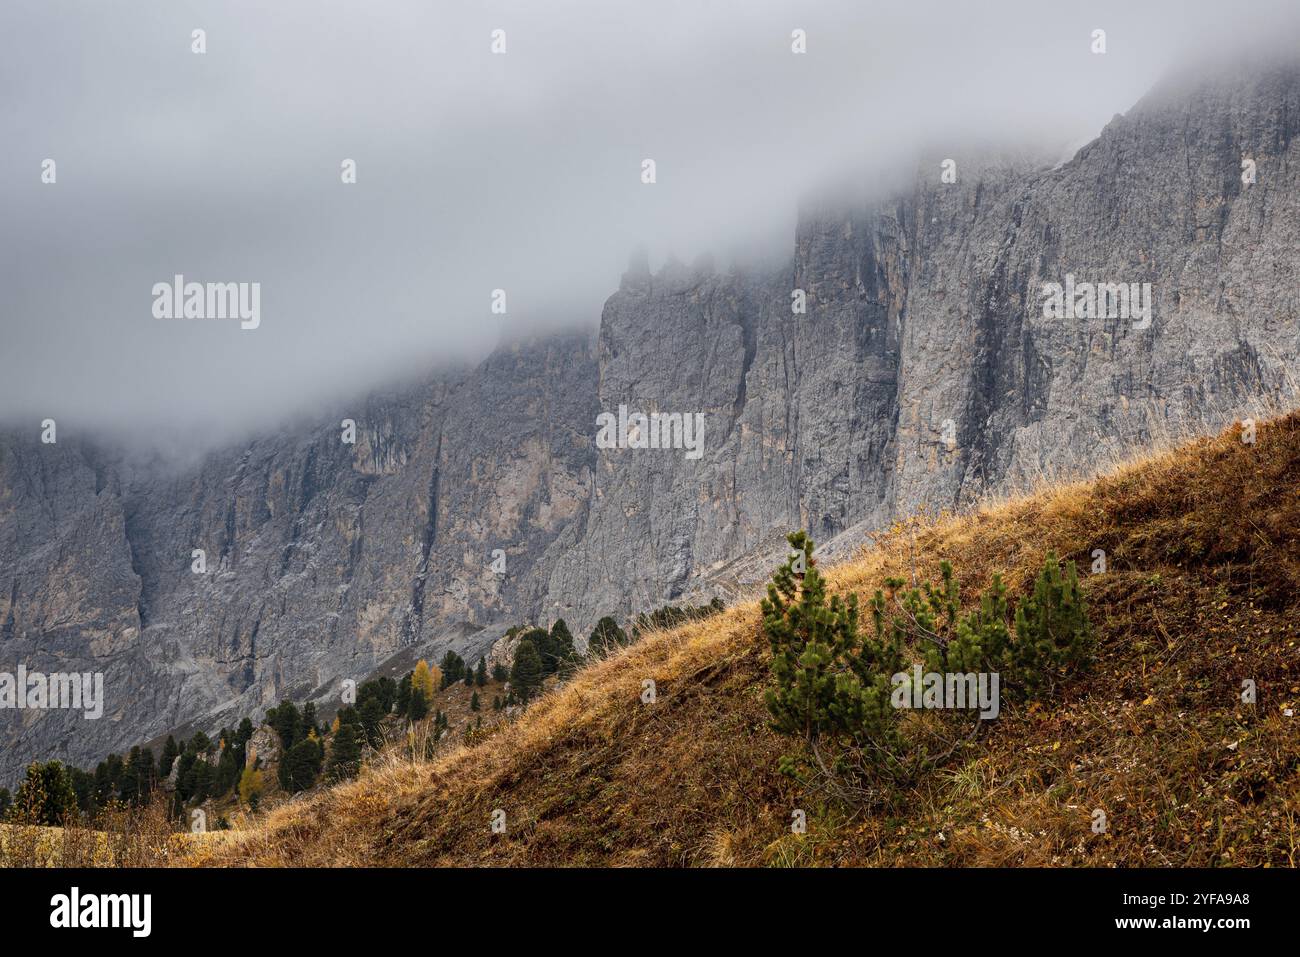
(169, 754)
(108, 779)
(286, 721)
(403, 700)
(418, 709)
(309, 718)
(527, 674)
(345, 752)
(422, 680)
(605, 637)
(84, 786)
(1053, 632)
(46, 795)
(301, 764)
(563, 654)
(370, 717)
(831, 687)
(226, 775)
(453, 669)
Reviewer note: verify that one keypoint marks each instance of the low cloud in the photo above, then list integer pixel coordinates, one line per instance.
(475, 171)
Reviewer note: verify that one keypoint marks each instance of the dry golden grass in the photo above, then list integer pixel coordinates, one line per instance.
(119, 836)
(1200, 594)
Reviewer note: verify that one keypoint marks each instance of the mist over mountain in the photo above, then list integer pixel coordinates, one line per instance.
(475, 171)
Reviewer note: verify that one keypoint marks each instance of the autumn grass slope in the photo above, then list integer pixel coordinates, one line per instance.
(1203, 555)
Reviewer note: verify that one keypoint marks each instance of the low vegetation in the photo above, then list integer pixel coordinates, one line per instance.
(1146, 623)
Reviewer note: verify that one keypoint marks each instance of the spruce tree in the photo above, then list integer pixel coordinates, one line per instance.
(605, 637)
(370, 717)
(46, 795)
(129, 790)
(309, 719)
(527, 674)
(403, 701)
(563, 654)
(300, 765)
(286, 721)
(84, 786)
(418, 709)
(453, 669)
(169, 754)
(480, 672)
(345, 752)
(227, 773)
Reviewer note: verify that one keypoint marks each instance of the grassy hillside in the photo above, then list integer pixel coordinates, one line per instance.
(1204, 559)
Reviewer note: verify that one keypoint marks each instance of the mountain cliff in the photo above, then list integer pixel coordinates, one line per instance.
(922, 370)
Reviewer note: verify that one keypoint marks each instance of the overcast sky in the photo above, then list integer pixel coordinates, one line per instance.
(475, 171)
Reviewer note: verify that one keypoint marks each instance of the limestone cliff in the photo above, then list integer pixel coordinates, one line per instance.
(923, 371)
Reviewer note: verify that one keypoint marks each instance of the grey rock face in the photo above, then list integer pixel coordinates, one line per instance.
(922, 373)
(324, 559)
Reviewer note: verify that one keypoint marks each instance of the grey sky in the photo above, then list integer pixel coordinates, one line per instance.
(475, 171)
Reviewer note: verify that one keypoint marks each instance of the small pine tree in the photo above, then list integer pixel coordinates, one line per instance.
(453, 669)
(309, 718)
(605, 637)
(540, 639)
(473, 702)
(560, 647)
(1053, 632)
(527, 674)
(831, 687)
(301, 765)
(286, 721)
(403, 700)
(46, 795)
(370, 716)
(345, 752)
(480, 672)
(418, 709)
(169, 754)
